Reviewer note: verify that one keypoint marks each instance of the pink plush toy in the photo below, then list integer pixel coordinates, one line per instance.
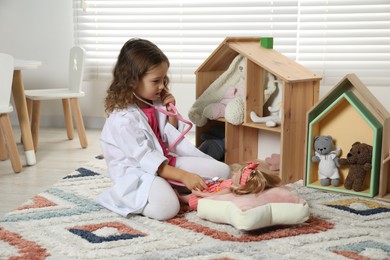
(225, 97)
(273, 162)
(231, 106)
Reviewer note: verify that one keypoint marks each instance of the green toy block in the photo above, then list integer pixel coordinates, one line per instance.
(267, 42)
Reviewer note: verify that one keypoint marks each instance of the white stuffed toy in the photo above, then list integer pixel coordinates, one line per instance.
(225, 97)
(275, 117)
(272, 120)
(326, 154)
(226, 92)
(232, 104)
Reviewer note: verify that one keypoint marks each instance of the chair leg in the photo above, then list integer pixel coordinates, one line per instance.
(3, 149)
(35, 121)
(11, 144)
(78, 118)
(68, 118)
(29, 103)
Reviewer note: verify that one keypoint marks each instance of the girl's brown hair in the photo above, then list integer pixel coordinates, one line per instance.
(257, 182)
(135, 59)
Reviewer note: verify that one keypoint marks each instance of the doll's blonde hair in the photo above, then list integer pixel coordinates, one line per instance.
(256, 182)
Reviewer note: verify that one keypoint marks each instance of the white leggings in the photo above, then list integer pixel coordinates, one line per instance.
(163, 202)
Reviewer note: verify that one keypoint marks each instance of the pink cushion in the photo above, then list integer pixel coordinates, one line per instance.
(276, 206)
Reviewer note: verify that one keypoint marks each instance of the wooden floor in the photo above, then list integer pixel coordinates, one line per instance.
(57, 157)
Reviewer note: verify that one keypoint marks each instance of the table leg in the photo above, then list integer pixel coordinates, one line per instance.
(24, 121)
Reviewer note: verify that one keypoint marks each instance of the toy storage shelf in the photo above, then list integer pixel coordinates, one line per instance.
(350, 113)
(300, 91)
(339, 120)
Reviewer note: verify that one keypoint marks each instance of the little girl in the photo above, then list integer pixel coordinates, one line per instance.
(135, 137)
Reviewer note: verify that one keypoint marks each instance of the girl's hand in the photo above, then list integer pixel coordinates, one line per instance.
(167, 98)
(194, 182)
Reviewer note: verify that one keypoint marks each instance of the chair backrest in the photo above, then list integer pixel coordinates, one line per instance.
(6, 76)
(76, 68)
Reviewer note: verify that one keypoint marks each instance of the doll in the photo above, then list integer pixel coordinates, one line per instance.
(247, 180)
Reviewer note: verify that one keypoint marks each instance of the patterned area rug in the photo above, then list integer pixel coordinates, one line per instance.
(64, 222)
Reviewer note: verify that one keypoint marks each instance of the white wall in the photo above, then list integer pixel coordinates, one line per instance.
(43, 30)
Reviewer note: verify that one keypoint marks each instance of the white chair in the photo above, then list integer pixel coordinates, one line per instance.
(69, 97)
(7, 140)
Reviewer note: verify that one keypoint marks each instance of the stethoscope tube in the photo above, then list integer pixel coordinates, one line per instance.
(174, 114)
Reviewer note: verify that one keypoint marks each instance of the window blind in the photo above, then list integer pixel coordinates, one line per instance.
(332, 38)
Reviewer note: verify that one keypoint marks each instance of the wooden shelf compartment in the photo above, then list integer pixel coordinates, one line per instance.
(347, 121)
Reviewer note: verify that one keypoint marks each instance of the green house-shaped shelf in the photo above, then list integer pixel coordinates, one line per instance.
(350, 113)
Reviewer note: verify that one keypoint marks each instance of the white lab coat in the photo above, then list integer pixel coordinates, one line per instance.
(133, 155)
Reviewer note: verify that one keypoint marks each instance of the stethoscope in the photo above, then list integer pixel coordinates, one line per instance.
(174, 114)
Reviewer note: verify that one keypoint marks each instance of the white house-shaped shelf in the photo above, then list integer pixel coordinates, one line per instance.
(350, 113)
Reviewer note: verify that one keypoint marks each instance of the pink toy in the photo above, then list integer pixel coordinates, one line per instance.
(232, 98)
(273, 162)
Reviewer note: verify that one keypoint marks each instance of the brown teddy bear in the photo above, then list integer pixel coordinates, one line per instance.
(359, 159)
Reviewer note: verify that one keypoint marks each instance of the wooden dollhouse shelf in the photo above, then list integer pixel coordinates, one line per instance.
(299, 90)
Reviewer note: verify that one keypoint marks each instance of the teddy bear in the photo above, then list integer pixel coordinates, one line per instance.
(326, 154)
(359, 159)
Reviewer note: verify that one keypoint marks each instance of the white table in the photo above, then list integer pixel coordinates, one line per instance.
(21, 106)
